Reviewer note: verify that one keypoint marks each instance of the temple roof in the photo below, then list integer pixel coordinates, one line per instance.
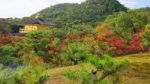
(38, 21)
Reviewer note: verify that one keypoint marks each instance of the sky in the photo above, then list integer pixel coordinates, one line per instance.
(24, 8)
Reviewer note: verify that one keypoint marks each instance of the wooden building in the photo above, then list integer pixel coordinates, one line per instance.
(34, 25)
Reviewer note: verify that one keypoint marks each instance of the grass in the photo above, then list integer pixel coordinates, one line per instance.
(137, 71)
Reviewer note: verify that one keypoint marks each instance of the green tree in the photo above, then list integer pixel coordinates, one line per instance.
(23, 75)
(37, 41)
(146, 35)
(88, 12)
(105, 65)
(8, 55)
(4, 26)
(79, 29)
(126, 24)
(75, 53)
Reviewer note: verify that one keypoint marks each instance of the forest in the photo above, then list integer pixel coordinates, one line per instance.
(95, 42)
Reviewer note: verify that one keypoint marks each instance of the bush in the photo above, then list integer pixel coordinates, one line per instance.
(81, 75)
(7, 55)
(36, 44)
(7, 50)
(99, 47)
(75, 53)
(23, 75)
(105, 65)
(146, 36)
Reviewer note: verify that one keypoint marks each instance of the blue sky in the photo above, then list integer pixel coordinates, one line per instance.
(135, 3)
(22, 8)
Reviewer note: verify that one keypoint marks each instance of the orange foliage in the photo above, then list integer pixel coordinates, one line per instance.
(5, 39)
(63, 44)
(104, 32)
(32, 58)
(71, 36)
(35, 60)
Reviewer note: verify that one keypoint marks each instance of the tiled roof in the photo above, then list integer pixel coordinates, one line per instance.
(38, 21)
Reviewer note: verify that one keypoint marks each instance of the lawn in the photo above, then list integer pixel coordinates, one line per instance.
(136, 72)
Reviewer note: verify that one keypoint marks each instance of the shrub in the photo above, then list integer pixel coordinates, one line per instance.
(104, 32)
(23, 75)
(81, 75)
(146, 35)
(126, 24)
(7, 55)
(5, 39)
(7, 50)
(119, 41)
(132, 45)
(98, 47)
(36, 43)
(75, 53)
(105, 65)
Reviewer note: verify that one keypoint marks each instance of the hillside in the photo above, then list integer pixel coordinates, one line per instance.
(137, 71)
(90, 11)
(54, 13)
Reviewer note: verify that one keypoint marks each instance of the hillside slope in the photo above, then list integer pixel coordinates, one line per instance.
(137, 72)
(90, 11)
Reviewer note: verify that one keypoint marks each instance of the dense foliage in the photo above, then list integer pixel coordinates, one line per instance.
(119, 34)
(126, 24)
(8, 55)
(123, 30)
(23, 75)
(9, 25)
(75, 52)
(90, 11)
(4, 26)
(146, 35)
(75, 41)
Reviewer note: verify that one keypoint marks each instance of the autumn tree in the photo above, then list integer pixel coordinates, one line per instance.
(103, 32)
(126, 24)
